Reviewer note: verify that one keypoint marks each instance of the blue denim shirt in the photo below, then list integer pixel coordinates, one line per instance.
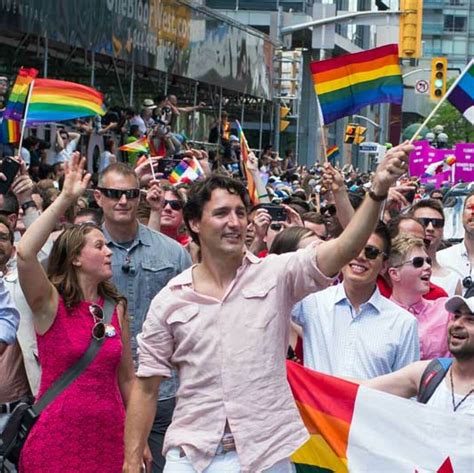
(152, 260)
(9, 316)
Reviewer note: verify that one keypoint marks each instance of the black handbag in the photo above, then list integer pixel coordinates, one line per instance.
(25, 415)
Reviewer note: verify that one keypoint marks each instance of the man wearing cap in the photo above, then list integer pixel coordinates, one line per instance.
(455, 393)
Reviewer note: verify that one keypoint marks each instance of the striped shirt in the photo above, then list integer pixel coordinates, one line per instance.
(379, 339)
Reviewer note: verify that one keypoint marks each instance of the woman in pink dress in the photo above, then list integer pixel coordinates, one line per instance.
(81, 430)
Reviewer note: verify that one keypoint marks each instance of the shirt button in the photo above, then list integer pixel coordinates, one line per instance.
(131, 317)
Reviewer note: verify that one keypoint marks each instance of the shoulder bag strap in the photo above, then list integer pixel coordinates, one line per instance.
(74, 371)
(431, 378)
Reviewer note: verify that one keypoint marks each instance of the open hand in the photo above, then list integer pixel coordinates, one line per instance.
(76, 179)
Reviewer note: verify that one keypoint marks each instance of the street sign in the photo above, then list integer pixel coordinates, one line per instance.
(422, 86)
(369, 147)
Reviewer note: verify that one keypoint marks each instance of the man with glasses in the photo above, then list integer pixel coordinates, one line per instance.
(350, 329)
(410, 272)
(143, 261)
(430, 214)
(460, 257)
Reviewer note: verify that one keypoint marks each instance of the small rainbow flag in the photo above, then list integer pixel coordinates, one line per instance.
(57, 100)
(244, 156)
(139, 146)
(347, 83)
(332, 152)
(9, 131)
(354, 428)
(16, 101)
(186, 172)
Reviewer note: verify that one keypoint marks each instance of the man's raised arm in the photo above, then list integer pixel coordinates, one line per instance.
(334, 254)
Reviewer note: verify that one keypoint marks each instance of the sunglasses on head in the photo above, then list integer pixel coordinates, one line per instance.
(436, 222)
(328, 210)
(417, 262)
(174, 204)
(371, 252)
(117, 194)
(98, 330)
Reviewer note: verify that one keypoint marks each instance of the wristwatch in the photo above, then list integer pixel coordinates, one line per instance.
(28, 204)
(377, 198)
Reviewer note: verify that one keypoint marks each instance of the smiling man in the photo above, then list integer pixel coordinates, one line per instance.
(410, 272)
(351, 330)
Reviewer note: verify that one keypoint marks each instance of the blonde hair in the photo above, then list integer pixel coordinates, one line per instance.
(401, 246)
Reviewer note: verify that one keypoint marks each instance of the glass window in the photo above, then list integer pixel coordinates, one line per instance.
(455, 23)
(447, 47)
(459, 47)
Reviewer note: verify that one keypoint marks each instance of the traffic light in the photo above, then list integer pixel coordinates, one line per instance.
(350, 134)
(410, 28)
(439, 75)
(284, 111)
(360, 135)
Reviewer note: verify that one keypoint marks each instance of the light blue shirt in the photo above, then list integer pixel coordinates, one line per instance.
(9, 316)
(379, 339)
(152, 260)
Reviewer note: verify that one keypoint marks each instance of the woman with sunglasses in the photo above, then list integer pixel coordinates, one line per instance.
(81, 430)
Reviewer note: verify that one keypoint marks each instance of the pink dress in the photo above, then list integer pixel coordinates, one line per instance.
(82, 429)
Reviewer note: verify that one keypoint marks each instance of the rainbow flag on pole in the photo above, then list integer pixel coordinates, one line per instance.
(347, 83)
(9, 131)
(244, 156)
(57, 100)
(17, 100)
(186, 171)
(332, 152)
(356, 429)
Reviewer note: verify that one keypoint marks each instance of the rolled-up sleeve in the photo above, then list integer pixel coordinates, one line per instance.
(9, 316)
(155, 343)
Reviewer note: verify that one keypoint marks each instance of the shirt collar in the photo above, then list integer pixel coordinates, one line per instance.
(186, 277)
(374, 301)
(142, 236)
(415, 308)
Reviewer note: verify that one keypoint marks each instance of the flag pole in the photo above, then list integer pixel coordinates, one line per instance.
(430, 116)
(323, 137)
(25, 116)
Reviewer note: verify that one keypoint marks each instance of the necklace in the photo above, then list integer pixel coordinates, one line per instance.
(455, 406)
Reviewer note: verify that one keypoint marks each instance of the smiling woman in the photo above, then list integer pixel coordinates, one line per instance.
(67, 306)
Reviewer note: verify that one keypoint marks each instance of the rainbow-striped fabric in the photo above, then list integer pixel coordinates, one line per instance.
(347, 83)
(244, 156)
(57, 100)
(16, 101)
(139, 146)
(9, 131)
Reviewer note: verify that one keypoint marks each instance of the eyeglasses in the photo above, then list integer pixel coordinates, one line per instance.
(417, 262)
(174, 204)
(117, 194)
(98, 330)
(328, 210)
(371, 252)
(436, 222)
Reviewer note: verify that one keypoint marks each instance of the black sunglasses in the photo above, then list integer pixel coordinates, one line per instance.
(117, 194)
(174, 204)
(371, 252)
(417, 262)
(436, 222)
(328, 210)
(98, 330)
(276, 227)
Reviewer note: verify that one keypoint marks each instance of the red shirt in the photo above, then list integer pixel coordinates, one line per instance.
(435, 291)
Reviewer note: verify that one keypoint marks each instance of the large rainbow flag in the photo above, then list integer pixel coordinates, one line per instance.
(16, 101)
(357, 429)
(347, 83)
(57, 100)
(244, 156)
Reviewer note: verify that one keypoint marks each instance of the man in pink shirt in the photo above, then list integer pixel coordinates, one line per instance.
(410, 272)
(224, 325)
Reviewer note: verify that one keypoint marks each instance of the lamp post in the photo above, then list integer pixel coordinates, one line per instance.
(437, 138)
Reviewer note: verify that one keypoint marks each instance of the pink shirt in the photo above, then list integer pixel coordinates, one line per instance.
(433, 321)
(230, 355)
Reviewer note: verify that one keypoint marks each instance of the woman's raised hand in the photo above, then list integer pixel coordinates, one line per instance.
(76, 179)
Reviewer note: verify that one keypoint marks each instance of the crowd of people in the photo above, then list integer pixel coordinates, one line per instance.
(344, 272)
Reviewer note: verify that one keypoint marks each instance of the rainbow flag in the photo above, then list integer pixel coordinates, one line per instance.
(186, 172)
(332, 152)
(244, 156)
(347, 83)
(139, 146)
(462, 96)
(356, 429)
(57, 100)
(17, 99)
(9, 131)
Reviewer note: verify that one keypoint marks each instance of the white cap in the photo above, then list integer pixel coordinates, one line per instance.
(455, 302)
